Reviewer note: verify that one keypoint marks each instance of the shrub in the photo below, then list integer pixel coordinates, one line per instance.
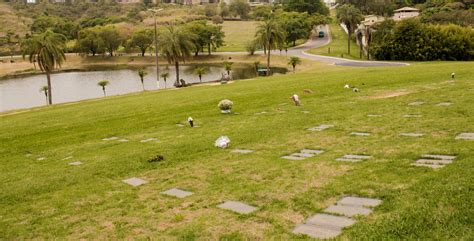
(225, 105)
(251, 47)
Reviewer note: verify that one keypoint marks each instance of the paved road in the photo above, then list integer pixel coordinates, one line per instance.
(300, 51)
(315, 42)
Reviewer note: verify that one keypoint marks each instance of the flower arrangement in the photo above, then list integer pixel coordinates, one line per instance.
(225, 106)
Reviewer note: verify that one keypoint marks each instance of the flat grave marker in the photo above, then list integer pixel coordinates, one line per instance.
(134, 181)
(175, 192)
(77, 163)
(360, 134)
(465, 136)
(320, 127)
(412, 134)
(237, 207)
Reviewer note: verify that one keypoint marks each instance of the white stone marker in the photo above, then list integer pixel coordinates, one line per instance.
(237, 207)
(465, 136)
(134, 181)
(175, 192)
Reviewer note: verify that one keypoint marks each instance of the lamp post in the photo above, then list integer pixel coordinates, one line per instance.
(155, 11)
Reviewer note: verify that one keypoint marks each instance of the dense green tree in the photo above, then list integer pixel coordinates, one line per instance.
(47, 50)
(296, 26)
(309, 6)
(176, 45)
(57, 24)
(350, 16)
(240, 8)
(89, 41)
(111, 38)
(270, 35)
(141, 39)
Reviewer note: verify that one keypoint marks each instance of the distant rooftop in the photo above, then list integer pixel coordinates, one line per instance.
(407, 9)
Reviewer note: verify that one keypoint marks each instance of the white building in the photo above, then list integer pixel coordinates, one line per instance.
(406, 12)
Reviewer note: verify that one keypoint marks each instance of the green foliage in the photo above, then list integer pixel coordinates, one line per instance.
(46, 49)
(293, 61)
(412, 40)
(350, 16)
(111, 38)
(270, 35)
(102, 84)
(141, 39)
(378, 7)
(240, 8)
(308, 6)
(251, 47)
(295, 25)
(200, 71)
(176, 44)
(210, 36)
(210, 10)
(89, 41)
(217, 19)
(59, 25)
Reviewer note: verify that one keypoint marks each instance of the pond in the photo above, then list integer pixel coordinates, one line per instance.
(24, 92)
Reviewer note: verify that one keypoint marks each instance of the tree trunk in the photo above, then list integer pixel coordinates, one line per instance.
(143, 85)
(46, 95)
(294, 68)
(348, 41)
(143, 52)
(268, 61)
(50, 95)
(176, 65)
(200, 78)
(103, 89)
(209, 48)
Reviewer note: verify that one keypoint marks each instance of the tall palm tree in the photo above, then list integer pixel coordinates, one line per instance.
(293, 62)
(142, 73)
(271, 35)
(165, 75)
(102, 84)
(44, 89)
(349, 16)
(47, 50)
(200, 71)
(176, 45)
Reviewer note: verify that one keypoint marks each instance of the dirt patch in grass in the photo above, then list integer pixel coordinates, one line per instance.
(388, 94)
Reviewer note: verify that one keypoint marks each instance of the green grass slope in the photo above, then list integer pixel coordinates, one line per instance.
(49, 199)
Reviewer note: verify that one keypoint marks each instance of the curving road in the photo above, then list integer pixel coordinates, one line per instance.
(315, 42)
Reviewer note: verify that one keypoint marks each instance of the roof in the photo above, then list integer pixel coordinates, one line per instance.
(407, 9)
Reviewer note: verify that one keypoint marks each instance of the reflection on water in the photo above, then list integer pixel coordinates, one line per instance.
(24, 92)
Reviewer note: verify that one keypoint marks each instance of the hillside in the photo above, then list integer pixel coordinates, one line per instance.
(45, 198)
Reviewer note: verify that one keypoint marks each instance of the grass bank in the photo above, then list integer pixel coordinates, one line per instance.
(47, 198)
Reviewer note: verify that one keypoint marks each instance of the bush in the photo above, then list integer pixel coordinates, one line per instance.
(412, 40)
(217, 19)
(251, 47)
(156, 158)
(225, 105)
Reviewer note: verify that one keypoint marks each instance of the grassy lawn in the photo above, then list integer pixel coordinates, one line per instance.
(237, 35)
(48, 199)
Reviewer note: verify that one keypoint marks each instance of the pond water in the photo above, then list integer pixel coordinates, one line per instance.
(24, 92)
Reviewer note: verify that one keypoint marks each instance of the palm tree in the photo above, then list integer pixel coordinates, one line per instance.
(142, 73)
(176, 45)
(349, 16)
(228, 67)
(47, 50)
(294, 61)
(102, 84)
(200, 71)
(44, 89)
(165, 76)
(271, 36)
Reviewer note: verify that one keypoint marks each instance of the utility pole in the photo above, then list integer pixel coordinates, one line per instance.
(155, 11)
